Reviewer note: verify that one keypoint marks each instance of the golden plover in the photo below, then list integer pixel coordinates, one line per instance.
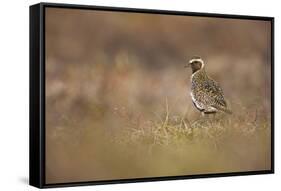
(206, 94)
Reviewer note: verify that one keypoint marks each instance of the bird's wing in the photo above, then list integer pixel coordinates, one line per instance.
(215, 94)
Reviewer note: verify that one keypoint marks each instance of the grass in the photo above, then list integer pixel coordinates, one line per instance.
(175, 129)
(175, 145)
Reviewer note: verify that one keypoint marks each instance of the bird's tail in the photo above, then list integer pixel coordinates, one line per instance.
(224, 109)
(228, 111)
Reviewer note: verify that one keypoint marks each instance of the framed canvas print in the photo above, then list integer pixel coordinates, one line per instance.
(126, 95)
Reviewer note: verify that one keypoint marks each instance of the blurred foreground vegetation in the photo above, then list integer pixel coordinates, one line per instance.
(166, 145)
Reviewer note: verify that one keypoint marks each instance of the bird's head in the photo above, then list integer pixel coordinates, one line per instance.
(196, 63)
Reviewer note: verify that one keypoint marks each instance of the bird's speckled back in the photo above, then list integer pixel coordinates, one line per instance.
(206, 93)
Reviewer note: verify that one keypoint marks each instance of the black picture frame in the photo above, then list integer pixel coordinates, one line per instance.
(37, 94)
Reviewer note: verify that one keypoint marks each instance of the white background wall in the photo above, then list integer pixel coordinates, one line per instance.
(14, 88)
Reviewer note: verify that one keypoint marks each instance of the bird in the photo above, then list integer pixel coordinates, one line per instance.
(206, 94)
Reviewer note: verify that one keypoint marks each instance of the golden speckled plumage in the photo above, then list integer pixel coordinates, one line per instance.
(206, 93)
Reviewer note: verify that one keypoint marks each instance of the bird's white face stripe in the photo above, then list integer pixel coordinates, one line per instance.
(196, 60)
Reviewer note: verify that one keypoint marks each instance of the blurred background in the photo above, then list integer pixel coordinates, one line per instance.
(113, 72)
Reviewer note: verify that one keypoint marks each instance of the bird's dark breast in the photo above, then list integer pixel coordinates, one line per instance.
(203, 110)
(197, 106)
(210, 112)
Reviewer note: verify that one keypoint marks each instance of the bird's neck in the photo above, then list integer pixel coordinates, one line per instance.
(201, 73)
(194, 70)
